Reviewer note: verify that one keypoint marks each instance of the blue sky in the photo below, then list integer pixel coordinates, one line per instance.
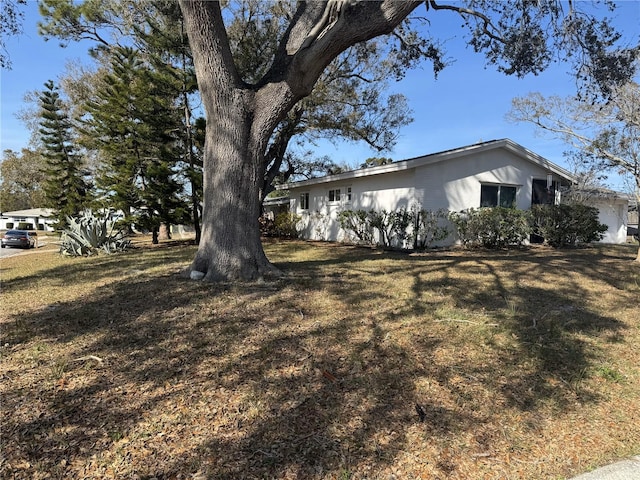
(466, 104)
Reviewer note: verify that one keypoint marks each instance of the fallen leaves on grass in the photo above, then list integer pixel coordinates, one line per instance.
(360, 364)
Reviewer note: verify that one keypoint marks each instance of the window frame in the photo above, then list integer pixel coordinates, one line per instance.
(499, 187)
(304, 201)
(335, 195)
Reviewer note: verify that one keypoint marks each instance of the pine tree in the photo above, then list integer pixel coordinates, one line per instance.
(65, 188)
(132, 124)
(164, 41)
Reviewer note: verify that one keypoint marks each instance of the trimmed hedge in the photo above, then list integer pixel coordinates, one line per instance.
(567, 225)
(497, 227)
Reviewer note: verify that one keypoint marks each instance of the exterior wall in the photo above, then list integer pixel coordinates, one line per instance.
(452, 185)
(320, 221)
(455, 184)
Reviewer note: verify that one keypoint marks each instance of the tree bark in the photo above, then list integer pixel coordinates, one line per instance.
(230, 247)
(241, 118)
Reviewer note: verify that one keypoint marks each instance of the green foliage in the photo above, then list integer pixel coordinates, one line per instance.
(496, 227)
(401, 220)
(133, 124)
(429, 227)
(89, 234)
(383, 222)
(400, 228)
(65, 188)
(359, 223)
(286, 225)
(567, 225)
(21, 180)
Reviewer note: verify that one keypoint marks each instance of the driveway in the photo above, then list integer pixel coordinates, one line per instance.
(10, 252)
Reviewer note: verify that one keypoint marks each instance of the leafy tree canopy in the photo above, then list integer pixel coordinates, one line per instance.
(376, 161)
(21, 180)
(11, 17)
(605, 136)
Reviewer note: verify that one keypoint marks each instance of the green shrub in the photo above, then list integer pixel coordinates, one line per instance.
(567, 225)
(382, 223)
(428, 227)
(402, 228)
(400, 221)
(285, 225)
(358, 223)
(88, 234)
(496, 227)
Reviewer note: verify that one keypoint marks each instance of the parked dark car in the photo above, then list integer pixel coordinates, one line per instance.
(20, 238)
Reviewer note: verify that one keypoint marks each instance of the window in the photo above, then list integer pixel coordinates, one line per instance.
(334, 195)
(304, 201)
(348, 199)
(540, 194)
(498, 195)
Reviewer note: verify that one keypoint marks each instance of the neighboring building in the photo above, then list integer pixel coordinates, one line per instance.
(30, 219)
(498, 172)
(272, 207)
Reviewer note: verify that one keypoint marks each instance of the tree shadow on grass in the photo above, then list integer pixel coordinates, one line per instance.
(296, 422)
(317, 376)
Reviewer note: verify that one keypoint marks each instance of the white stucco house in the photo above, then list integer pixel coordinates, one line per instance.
(33, 218)
(497, 172)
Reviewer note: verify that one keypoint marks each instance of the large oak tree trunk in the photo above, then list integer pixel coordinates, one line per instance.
(230, 246)
(241, 118)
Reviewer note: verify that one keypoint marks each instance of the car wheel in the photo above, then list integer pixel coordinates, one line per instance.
(3, 245)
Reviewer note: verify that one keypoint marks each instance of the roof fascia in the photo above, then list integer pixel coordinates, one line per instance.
(429, 159)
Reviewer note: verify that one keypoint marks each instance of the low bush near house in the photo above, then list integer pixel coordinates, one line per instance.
(411, 228)
(285, 225)
(358, 223)
(567, 225)
(496, 227)
(429, 227)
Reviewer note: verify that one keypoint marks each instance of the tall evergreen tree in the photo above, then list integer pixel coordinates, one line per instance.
(66, 190)
(164, 41)
(132, 124)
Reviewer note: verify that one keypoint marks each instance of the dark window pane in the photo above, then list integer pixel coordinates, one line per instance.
(489, 196)
(508, 197)
(304, 201)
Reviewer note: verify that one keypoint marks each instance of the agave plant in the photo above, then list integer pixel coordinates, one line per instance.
(88, 234)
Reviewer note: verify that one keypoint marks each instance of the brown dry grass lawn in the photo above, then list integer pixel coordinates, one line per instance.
(358, 364)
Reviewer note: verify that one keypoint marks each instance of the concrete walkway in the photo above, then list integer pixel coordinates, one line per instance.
(623, 470)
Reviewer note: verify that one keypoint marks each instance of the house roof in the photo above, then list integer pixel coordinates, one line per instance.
(605, 193)
(30, 212)
(435, 158)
